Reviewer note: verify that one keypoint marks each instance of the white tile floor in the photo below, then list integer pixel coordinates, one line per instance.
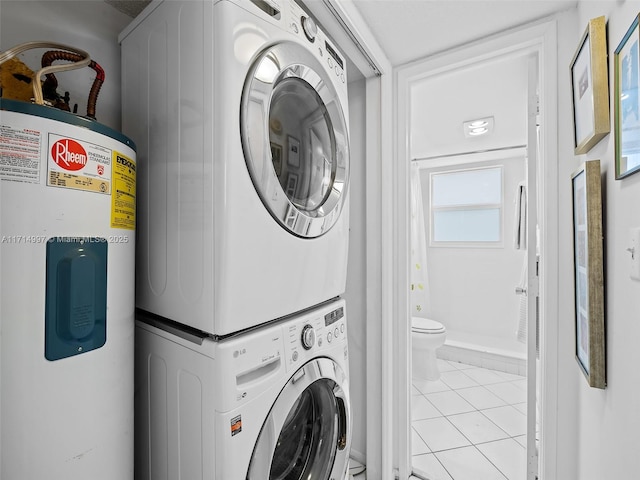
(470, 424)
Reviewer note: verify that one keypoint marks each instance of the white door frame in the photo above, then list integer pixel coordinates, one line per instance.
(541, 39)
(533, 284)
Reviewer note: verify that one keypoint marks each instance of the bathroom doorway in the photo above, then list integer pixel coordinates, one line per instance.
(472, 421)
(439, 461)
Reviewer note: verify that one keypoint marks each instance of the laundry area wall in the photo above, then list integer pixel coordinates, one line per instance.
(597, 429)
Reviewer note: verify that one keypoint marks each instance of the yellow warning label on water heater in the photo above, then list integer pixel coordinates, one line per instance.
(123, 197)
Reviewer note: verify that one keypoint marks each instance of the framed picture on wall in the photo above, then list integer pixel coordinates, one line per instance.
(276, 158)
(292, 185)
(293, 153)
(589, 273)
(627, 104)
(590, 86)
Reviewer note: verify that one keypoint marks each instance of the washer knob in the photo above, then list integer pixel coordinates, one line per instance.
(308, 337)
(310, 28)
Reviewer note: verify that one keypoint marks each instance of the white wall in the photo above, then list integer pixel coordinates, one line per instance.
(568, 375)
(471, 289)
(355, 295)
(598, 430)
(441, 102)
(92, 26)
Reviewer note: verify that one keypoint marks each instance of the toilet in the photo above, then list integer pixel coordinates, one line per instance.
(426, 336)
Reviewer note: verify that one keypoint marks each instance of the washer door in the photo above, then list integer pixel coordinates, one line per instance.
(295, 140)
(307, 434)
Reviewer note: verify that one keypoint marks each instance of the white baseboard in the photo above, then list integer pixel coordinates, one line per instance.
(494, 359)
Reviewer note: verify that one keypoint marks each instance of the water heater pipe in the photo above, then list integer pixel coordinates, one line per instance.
(37, 87)
(52, 55)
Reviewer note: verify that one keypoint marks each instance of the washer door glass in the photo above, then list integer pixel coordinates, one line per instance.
(311, 424)
(294, 137)
(310, 427)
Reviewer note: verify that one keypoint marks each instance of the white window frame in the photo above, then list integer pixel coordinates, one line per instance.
(500, 206)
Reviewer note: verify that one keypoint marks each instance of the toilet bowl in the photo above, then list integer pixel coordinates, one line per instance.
(426, 336)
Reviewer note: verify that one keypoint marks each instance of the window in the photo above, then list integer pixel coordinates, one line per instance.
(466, 206)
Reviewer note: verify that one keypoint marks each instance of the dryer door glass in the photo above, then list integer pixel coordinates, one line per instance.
(307, 432)
(303, 124)
(295, 141)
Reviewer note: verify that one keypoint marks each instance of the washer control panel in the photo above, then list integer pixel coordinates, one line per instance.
(314, 333)
(308, 337)
(310, 28)
(334, 326)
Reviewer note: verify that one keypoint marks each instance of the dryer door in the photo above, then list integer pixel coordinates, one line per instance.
(295, 140)
(307, 433)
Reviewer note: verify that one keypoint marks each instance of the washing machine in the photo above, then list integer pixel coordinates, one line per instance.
(269, 404)
(239, 111)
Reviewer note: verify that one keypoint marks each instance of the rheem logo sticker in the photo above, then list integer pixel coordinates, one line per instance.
(69, 154)
(78, 164)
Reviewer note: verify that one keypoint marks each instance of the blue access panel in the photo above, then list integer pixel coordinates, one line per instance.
(76, 296)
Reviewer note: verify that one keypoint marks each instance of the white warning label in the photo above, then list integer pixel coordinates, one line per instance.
(19, 154)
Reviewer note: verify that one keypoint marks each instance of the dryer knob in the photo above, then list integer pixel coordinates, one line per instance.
(308, 337)
(310, 28)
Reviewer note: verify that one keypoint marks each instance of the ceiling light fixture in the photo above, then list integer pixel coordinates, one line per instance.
(475, 128)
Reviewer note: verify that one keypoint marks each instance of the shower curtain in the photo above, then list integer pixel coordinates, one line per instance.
(419, 278)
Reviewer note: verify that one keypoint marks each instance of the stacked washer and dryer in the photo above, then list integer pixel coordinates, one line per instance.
(239, 109)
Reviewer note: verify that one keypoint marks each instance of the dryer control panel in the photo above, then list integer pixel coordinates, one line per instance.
(303, 25)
